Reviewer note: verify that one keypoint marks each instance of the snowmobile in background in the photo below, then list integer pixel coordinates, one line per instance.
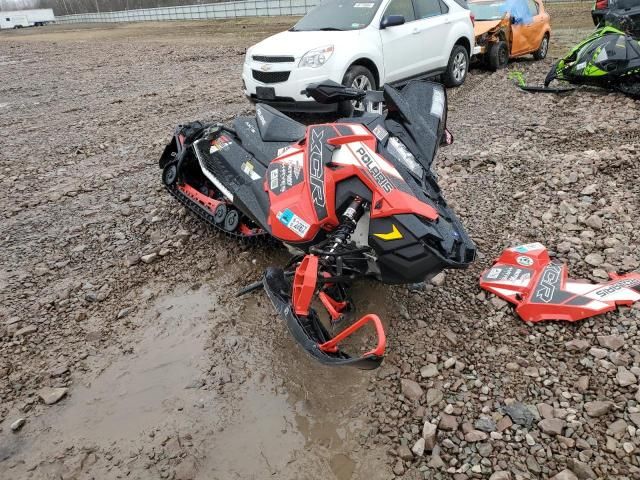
(350, 199)
(607, 58)
(621, 14)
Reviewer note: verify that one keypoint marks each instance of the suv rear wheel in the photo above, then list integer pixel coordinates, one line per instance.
(498, 55)
(457, 67)
(543, 49)
(358, 77)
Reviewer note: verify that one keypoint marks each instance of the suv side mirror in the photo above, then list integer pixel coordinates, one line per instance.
(391, 21)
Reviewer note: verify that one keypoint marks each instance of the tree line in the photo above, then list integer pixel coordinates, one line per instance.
(69, 7)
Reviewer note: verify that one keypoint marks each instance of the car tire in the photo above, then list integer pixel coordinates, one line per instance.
(498, 56)
(360, 77)
(541, 53)
(457, 67)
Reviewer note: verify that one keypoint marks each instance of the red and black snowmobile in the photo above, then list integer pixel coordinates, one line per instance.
(349, 199)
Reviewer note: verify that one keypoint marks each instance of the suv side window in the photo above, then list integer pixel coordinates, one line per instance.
(462, 3)
(428, 8)
(533, 8)
(401, 7)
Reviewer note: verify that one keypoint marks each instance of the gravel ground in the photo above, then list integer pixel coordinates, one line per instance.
(124, 354)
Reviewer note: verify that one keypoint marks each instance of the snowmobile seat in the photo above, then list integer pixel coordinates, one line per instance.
(275, 126)
(247, 131)
(267, 132)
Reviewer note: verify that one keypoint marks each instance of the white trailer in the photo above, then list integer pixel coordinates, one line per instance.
(26, 18)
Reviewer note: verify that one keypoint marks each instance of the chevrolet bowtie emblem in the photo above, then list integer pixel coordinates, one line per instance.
(265, 67)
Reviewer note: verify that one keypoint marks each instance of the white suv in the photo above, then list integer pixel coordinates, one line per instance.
(360, 43)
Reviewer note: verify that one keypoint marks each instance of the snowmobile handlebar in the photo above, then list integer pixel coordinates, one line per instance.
(328, 92)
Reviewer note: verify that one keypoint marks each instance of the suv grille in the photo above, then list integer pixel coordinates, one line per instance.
(273, 59)
(270, 77)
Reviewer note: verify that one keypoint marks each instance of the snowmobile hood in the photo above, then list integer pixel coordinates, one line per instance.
(541, 290)
(297, 43)
(484, 26)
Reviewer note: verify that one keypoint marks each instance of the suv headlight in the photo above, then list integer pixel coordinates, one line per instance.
(317, 57)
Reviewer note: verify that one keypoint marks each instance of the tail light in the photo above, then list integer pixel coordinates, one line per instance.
(602, 4)
(473, 17)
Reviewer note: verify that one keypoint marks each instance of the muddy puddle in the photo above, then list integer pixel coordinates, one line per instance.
(139, 391)
(311, 415)
(290, 418)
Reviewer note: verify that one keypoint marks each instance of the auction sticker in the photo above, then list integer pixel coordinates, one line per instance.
(293, 222)
(437, 103)
(529, 247)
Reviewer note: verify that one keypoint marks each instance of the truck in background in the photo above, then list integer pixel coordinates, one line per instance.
(26, 18)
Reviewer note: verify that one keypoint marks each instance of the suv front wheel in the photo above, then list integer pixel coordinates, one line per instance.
(457, 67)
(358, 77)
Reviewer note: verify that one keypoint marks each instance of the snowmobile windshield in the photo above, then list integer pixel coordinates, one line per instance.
(421, 107)
(627, 4)
(603, 51)
(487, 10)
(338, 15)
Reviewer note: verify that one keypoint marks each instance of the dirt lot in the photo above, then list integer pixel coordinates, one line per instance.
(123, 369)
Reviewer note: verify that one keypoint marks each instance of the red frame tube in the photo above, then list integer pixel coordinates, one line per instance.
(332, 345)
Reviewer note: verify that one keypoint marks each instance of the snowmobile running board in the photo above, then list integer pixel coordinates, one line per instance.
(542, 89)
(312, 336)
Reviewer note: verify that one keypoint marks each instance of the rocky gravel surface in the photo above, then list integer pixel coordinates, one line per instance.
(107, 286)
(490, 395)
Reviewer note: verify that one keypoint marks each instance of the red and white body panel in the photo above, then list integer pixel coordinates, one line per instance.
(302, 182)
(540, 289)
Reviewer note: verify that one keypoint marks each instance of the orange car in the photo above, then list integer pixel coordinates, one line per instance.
(501, 36)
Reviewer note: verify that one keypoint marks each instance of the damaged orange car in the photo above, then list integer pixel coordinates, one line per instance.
(507, 29)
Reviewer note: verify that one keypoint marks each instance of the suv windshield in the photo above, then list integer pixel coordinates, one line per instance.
(338, 15)
(487, 10)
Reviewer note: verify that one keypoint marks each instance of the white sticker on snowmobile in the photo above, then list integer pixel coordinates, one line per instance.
(247, 168)
(581, 66)
(380, 132)
(494, 273)
(273, 184)
(220, 143)
(293, 222)
(437, 103)
(509, 275)
(524, 261)
(529, 247)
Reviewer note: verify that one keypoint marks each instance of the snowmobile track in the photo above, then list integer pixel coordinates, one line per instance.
(209, 219)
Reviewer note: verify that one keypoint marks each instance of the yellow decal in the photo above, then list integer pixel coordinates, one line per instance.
(392, 235)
